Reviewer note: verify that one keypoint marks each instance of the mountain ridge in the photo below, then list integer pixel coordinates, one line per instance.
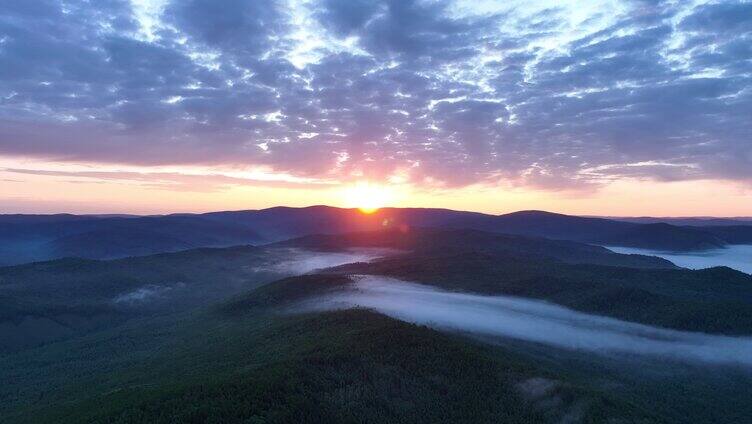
(40, 237)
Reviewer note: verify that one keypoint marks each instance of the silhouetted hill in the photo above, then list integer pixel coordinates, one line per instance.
(714, 300)
(283, 223)
(688, 221)
(454, 241)
(588, 278)
(40, 239)
(668, 237)
(45, 301)
(280, 223)
(42, 219)
(558, 226)
(655, 235)
(734, 234)
(115, 242)
(28, 238)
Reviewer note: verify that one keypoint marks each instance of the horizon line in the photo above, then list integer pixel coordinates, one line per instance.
(142, 215)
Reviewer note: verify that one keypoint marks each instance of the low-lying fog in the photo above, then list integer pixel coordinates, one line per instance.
(738, 257)
(275, 263)
(298, 261)
(145, 293)
(533, 321)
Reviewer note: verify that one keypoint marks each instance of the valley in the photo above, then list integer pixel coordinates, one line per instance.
(376, 324)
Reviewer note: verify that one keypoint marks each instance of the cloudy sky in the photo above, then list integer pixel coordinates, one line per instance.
(600, 107)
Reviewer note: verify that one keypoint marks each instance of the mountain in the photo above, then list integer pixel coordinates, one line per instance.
(460, 241)
(222, 335)
(666, 237)
(592, 279)
(69, 296)
(655, 236)
(732, 234)
(35, 238)
(248, 360)
(558, 226)
(42, 219)
(335, 367)
(688, 221)
(52, 300)
(284, 223)
(281, 223)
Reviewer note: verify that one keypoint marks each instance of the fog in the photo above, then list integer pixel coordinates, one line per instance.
(298, 261)
(738, 257)
(146, 293)
(273, 264)
(532, 321)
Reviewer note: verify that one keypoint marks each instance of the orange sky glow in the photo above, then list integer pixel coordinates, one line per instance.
(145, 107)
(91, 188)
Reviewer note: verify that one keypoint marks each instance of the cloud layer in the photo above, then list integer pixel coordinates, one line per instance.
(428, 92)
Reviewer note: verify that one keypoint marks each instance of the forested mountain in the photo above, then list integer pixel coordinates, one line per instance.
(214, 335)
(43, 237)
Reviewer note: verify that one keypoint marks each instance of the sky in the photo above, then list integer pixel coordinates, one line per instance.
(602, 107)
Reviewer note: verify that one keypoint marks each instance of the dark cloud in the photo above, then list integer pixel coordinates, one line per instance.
(403, 28)
(721, 19)
(345, 17)
(416, 88)
(228, 25)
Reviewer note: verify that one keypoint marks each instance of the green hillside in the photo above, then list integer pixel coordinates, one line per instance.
(231, 347)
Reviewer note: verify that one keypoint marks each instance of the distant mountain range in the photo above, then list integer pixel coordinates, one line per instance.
(27, 238)
(695, 221)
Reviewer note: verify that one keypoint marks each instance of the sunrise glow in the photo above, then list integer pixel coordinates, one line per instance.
(479, 105)
(341, 182)
(367, 197)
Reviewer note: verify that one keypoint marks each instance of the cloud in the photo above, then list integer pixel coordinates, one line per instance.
(441, 93)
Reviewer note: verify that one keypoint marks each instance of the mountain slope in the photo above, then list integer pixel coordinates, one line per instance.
(283, 223)
(30, 238)
(732, 234)
(103, 238)
(337, 367)
(45, 301)
(587, 278)
(715, 300)
(668, 237)
(453, 241)
(689, 221)
(256, 358)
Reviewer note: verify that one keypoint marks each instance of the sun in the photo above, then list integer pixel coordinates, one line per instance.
(367, 197)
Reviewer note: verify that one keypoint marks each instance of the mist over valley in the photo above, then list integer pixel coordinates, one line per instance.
(375, 212)
(563, 328)
(738, 257)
